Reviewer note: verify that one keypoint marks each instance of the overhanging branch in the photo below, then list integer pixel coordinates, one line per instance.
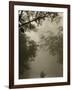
(35, 19)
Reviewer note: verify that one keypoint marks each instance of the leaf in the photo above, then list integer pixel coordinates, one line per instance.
(22, 30)
(32, 26)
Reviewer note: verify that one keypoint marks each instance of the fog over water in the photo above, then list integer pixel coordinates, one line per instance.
(44, 62)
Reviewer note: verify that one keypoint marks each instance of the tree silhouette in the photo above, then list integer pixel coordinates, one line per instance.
(29, 19)
(27, 51)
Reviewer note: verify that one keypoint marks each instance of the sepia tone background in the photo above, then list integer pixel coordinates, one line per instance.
(40, 44)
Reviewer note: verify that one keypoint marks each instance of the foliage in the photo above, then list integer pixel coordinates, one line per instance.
(27, 51)
(28, 21)
(54, 44)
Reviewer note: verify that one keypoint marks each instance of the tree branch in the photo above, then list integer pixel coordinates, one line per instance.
(35, 19)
